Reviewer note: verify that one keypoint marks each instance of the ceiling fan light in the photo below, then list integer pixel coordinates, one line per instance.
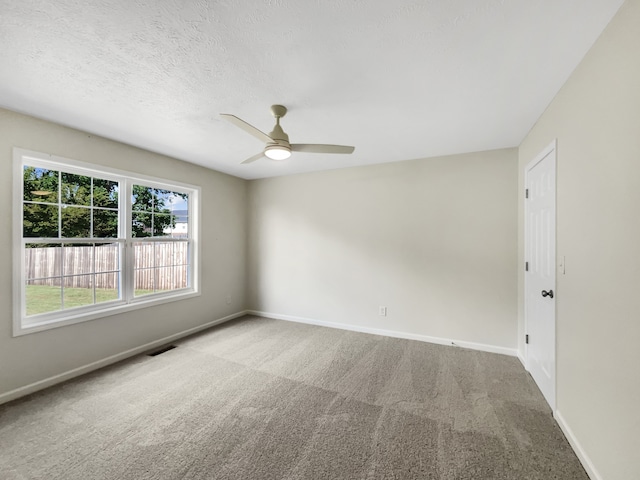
(277, 152)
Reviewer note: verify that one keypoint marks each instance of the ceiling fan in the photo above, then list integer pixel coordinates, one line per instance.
(277, 142)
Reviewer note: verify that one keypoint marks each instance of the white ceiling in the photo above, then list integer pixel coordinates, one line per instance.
(398, 79)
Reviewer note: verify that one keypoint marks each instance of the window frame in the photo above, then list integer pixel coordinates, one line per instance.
(23, 324)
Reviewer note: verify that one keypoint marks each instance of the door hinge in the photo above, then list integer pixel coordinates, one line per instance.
(526, 193)
(526, 266)
(526, 339)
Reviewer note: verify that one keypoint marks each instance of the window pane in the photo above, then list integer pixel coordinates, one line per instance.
(164, 279)
(141, 224)
(77, 259)
(78, 291)
(144, 281)
(143, 255)
(42, 296)
(105, 193)
(169, 212)
(161, 200)
(164, 253)
(171, 278)
(181, 253)
(179, 202)
(41, 261)
(181, 273)
(162, 224)
(142, 198)
(107, 287)
(180, 224)
(105, 223)
(40, 221)
(40, 184)
(107, 257)
(166, 200)
(76, 222)
(76, 189)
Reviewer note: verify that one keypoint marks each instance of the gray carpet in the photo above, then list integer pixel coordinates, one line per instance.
(267, 399)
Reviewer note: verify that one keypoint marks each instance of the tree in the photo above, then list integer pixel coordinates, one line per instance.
(150, 215)
(40, 186)
(89, 206)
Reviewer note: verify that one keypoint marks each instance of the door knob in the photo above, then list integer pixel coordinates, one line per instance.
(547, 294)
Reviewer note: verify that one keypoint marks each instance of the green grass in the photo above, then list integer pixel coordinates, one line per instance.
(43, 298)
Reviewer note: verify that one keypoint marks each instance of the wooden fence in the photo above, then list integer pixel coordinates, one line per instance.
(157, 266)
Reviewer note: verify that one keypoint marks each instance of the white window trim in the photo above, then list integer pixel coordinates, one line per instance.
(82, 314)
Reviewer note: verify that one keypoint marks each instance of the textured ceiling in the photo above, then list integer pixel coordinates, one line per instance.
(399, 79)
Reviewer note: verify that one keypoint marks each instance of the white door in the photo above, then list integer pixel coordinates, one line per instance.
(540, 274)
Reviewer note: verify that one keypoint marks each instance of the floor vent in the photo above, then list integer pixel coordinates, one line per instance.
(161, 350)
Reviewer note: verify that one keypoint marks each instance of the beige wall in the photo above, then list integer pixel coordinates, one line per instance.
(37, 356)
(596, 119)
(434, 240)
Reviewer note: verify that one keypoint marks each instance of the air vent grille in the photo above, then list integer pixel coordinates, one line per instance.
(161, 350)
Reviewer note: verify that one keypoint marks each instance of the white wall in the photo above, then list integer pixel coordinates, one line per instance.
(434, 240)
(596, 119)
(38, 356)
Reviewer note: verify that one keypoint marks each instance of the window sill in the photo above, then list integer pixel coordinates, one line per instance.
(27, 326)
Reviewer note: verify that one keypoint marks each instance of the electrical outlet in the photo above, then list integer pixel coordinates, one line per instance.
(382, 311)
(228, 298)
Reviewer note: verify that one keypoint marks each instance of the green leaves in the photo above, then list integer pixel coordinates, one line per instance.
(40, 221)
(40, 185)
(67, 205)
(151, 216)
(60, 204)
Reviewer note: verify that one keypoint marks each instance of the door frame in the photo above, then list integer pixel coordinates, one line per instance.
(549, 149)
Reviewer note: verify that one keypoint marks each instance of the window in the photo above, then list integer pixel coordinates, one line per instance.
(92, 242)
(160, 264)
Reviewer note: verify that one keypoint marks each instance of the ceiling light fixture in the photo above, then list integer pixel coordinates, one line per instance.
(42, 193)
(277, 142)
(277, 152)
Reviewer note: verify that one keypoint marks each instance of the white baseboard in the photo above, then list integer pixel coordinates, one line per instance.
(522, 360)
(581, 454)
(390, 333)
(47, 382)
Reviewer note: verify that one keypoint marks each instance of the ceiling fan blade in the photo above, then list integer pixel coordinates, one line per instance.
(313, 148)
(257, 156)
(238, 122)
